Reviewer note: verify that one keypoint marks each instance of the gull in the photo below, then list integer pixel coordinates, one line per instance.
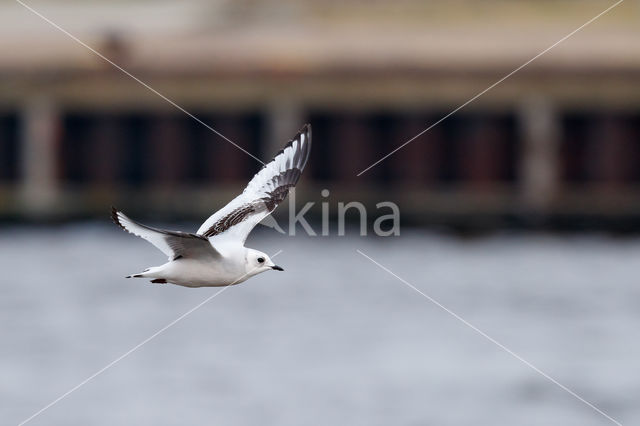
(215, 254)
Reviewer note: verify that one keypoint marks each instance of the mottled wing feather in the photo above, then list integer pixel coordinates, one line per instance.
(268, 188)
(174, 244)
(233, 218)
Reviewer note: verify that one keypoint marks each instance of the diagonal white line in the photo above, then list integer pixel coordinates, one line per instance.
(77, 40)
(133, 349)
(492, 340)
(491, 87)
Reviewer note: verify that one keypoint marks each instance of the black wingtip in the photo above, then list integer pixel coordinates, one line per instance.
(306, 130)
(115, 218)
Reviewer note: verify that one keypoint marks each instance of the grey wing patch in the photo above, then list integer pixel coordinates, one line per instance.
(175, 244)
(189, 245)
(117, 217)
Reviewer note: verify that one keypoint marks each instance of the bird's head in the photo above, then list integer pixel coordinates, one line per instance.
(258, 262)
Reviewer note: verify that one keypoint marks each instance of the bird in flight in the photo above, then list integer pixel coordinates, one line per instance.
(215, 255)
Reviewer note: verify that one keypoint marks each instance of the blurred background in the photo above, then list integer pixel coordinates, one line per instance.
(555, 147)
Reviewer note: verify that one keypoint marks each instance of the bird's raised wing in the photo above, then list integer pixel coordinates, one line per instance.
(264, 192)
(174, 244)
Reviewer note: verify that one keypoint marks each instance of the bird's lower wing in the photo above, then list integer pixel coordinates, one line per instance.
(174, 244)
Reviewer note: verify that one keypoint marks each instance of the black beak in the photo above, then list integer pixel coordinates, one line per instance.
(277, 268)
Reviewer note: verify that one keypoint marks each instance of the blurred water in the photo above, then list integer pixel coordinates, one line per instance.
(332, 340)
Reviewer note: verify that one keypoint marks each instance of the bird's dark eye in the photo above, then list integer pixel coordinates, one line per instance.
(261, 259)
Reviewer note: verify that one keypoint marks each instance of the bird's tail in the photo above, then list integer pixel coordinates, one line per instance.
(147, 273)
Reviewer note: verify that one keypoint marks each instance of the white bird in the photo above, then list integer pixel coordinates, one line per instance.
(215, 255)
